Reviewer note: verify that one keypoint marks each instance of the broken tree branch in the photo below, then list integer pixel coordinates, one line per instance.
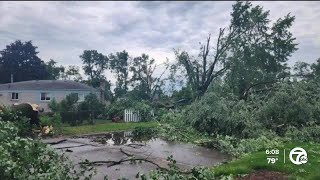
(71, 146)
(57, 142)
(114, 163)
(136, 146)
(130, 158)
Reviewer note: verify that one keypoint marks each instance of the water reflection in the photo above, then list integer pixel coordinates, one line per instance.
(120, 138)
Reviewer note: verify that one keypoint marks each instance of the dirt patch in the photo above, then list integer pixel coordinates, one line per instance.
(265, 175)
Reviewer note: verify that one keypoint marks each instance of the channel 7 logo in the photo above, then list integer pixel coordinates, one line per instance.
(297, 156)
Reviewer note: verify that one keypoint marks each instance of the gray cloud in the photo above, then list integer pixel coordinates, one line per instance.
(62, 30)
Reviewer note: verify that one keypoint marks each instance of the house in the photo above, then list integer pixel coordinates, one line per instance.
(41, 92)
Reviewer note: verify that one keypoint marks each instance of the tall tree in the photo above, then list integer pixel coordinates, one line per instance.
(55, 72)
(307, 71)
(20, 59)
(146, 84)
(119, 64)
(260, 51)
(315, 67)
(302, 70)
(252, 53)
(94, 65)
(211, 62)
(72, 73)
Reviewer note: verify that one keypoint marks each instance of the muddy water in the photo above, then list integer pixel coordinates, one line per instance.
(107, 147)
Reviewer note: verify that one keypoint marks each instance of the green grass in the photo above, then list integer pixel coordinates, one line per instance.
(105, 127)
(258, 161)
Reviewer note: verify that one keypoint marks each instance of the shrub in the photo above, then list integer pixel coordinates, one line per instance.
(54, 121)
(117, 108)
(214, 114)
(289, 112)
(74, 113)
(24, 158)
(67, 109)
(145, 110)
(293, 104)
(90, 108)
(54, 105)
(306, 134)
(23, 123)
(26, 110)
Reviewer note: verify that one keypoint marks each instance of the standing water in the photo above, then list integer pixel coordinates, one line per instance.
(119, 145)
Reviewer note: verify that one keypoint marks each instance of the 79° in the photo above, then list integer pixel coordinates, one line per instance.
(272, 160)
(272, 155)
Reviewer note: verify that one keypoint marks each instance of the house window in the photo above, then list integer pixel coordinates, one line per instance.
(14, 96)
(45, 97)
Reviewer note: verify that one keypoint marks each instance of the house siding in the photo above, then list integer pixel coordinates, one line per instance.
(33, 96)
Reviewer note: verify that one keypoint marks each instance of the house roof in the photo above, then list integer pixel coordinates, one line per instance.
(46, 85)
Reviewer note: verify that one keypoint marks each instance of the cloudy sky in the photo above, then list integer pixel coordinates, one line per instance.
(62, 30)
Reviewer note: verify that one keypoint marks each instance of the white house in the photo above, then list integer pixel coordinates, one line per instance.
(41, 92)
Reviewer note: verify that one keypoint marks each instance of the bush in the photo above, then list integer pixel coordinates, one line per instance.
(24, 158)
(294, 104)
(145, 110)
(54, 121)
(74, 113)
(90, 108)
(306, 134)
(117, 108)
(214, 114)
(288, 113)
(23, 123)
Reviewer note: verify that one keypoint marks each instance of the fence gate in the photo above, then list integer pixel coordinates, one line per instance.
(131, 116)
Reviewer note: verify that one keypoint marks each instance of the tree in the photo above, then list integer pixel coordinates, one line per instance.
(302, 70)
(202, 70)
(94, 65)
(184, 95)
(315, 67)
(307, 71)
(20, 59)
(119, 64)
(72, 73)
(259, 52)
(55, 72)
(250, 51)
(146, 85)
(91, 107)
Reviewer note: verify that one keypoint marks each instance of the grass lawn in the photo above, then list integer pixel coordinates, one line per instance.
(105, 127)
(258, 161)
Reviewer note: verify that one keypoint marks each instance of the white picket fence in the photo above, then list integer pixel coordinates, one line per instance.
(131, 115)
(127, 133)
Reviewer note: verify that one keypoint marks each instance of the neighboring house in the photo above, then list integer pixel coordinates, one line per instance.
(41, 92)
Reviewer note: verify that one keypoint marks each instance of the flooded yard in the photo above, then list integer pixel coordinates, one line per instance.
(121, 145)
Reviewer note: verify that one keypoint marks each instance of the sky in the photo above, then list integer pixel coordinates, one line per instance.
(62, 30)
